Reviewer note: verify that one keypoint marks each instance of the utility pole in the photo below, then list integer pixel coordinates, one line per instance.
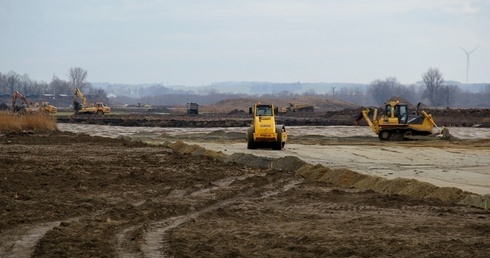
(468, 61)
(333, 92)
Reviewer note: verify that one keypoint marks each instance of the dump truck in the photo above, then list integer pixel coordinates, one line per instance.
(81, 108)
(294, 107)
(192, 108)
(397, 125)
(43, 107)
(264, 132)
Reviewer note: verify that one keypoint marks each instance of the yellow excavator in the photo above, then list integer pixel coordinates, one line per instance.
(264, 133)
(81, 108)
(397, 125)
(27, 107)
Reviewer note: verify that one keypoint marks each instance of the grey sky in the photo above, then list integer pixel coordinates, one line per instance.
(199, 42)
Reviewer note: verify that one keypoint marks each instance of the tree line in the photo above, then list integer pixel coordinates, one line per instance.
(434, 91)
(77, 78)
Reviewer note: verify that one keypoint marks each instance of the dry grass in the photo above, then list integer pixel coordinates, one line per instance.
(16, 122)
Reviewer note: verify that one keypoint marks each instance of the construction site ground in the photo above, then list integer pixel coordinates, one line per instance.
(113, 191)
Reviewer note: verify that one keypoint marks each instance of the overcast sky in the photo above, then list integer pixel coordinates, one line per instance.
(198, 42)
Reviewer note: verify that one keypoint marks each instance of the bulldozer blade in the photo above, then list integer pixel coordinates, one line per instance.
(441, 135)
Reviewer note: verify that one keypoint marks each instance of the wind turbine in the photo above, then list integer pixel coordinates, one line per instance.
(468, 61)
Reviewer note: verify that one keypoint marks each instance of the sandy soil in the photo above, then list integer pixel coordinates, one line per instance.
(74, 195)
(463, 164)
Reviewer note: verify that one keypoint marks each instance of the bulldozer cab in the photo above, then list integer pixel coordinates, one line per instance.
(396, 113)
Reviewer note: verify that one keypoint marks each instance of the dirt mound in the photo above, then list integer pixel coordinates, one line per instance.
(321, 103)
(196, 150)
(406, 187)
(249, 160)
(228, 135)
(338, 177)
(289, 163)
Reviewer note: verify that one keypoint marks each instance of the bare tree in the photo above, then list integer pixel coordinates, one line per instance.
(25, 85)
(58, 86)
(448, 94)
(433, 81)
(3, 83)
(353, 95)
(13, 80)
(78, 77)
(380, 91)
(309, 92)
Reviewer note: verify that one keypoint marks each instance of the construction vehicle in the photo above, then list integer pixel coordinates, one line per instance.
(95, 108)
(294, 107)
(192, 108)
(396, 124)
(264, 133)
(25, 103)
(27, 107)
(43, 107)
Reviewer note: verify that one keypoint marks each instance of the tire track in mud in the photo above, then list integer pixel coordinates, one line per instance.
(15, 245)
(157, 234)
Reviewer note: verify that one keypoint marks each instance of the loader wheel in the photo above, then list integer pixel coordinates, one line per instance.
(251, 145)
(100, 113)
(384, 135)
(279, 144)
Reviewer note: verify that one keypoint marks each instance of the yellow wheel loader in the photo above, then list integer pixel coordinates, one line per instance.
(264, 133)
(397, 125)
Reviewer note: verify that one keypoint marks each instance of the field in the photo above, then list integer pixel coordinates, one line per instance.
(111, 191)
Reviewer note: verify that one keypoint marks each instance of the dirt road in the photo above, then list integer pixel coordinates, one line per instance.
(74, 195)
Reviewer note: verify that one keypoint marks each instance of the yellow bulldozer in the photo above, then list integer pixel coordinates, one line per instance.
(397, 125)
(264, 133)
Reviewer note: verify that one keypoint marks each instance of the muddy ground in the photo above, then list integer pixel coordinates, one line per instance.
(68, 194)
(444, 117)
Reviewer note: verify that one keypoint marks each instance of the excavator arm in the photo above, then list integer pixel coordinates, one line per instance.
(79, 94)
(16, 96)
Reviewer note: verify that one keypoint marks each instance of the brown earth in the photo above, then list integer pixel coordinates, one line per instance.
(73, 195)
(239, 118)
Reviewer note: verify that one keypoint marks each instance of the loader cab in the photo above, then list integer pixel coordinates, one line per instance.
(396, 112)
(263, 110)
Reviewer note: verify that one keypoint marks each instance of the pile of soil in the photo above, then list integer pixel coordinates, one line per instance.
(72, 195)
